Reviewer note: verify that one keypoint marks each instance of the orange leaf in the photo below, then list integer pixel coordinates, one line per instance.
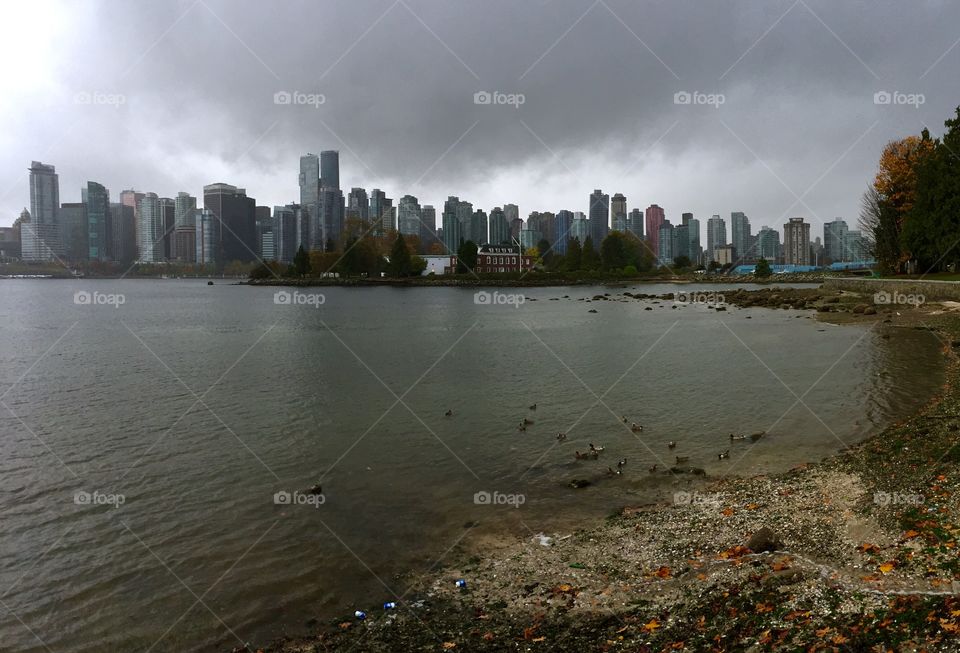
(449, 645)
(752, 506)
(489, 636)
(726, 512)
(887, 567)
(764, 607)
(651, 625)
(663, 572)
(539, 639)
(910, 534)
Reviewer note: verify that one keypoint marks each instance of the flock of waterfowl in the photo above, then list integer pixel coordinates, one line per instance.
(593, 453)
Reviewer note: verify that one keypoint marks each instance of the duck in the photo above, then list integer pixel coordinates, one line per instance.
(621, 463)
(595, 449)
(449, 413)
(527, 421)
(589, 455)
(652, 468)
(315, 489)
(756, 436)
(624, 418)
(723, 454)
(636, 427)
(561, 436)
(671, 445)
(734, 438)
(522, 427)
(683, 459)
(533, 406)
(610, 472)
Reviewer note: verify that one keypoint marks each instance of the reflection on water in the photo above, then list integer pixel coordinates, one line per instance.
(197, 404)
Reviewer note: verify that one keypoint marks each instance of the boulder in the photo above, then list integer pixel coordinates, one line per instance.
(764, 540)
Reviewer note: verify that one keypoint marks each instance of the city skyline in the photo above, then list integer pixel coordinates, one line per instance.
(759, 150)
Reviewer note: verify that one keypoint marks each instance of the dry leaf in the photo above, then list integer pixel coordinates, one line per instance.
(449, 645)
(663, 572)
(651, 625)
(887, 567)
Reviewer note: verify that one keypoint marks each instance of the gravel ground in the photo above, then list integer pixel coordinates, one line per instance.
(856, 553)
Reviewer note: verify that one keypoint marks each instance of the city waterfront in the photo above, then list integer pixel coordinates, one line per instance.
(146, 438)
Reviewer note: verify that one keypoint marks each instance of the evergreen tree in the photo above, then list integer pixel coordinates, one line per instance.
(466, 257)
(574, 252)
(588, 257)
(763, 269)
(400, 261)
(301, 262)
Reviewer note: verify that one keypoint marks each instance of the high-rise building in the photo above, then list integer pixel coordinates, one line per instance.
(330, 169)
(516, 226)
(235, 225)
(480, 227)
(150, 229)
(378, 206)
(681, 242)
(836, 235)
(131, 199)
(285, 241)
(693, 236)
(511, 212)
(716, 236)
(599, 213)
(99, 222)
(665, 243)
(451, 225)
(408, 216)
(206, 238)
(563, 223)
(499, 227)
(331, 217)
(742, 240)
(73, 231)
(183, 245)
(580, 227)
(40, 234)
(618, 212)
(358, 206)
(168, 209)
(796, 242)
(123, 233)
(768, 244)
(654, 218)
(635, 223)
(428, 227)
(310, 200)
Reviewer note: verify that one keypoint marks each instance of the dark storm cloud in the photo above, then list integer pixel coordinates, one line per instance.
(599, 79)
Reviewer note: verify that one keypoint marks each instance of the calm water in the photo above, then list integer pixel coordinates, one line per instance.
(196, 404)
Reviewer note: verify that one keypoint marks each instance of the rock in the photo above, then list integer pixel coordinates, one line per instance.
(823, 309)
(592, 310)
(869, 310)
(579, 483)
(648, 309)
(860, 308)
(764, 540)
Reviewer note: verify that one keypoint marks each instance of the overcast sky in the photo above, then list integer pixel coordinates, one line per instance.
(169, 96)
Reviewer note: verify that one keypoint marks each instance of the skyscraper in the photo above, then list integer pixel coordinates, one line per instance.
(124, 233)
(408, 216)
(168, 209)
(358, 206)
(693, 237)
(40, 235)
(183, 245)
(796, 242)
(580, 227)
(511, 212)
(654, 217)
(599, 213)
(285, 232)
(665, 253)
(330, 169)
(716, 236)
(428, 227)
(768, 244)
(835, 240)
(99, 224)
(499, 227)
(375, 212)
(618, 211)
(235, 224)
(635, 223)
(73, 231)
(742, 240)
(150, 229)
(681, 241)
(451, 225)
(563, 223)
(206, 237)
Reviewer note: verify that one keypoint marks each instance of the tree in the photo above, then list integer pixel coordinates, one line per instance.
(545, 252)
(572, 260)
(615, 252)
(588, 257)
(681, 261)
(417, 265)
(400, 262)
(301, 262)
(466, 257)
(713, 267)
(889, 201)
(763, 269)
(266, 270)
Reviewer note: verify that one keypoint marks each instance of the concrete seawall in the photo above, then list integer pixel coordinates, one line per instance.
(931, 290)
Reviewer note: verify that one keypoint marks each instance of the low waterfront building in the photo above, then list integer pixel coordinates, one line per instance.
(496, 259)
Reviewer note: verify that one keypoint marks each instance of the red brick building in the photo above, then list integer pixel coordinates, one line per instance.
(497, 259)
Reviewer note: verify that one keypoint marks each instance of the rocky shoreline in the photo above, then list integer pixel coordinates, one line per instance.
(855, 553)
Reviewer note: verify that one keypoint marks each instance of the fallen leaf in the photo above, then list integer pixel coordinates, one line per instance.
(764, 607)
(489, 636)
(663, 572)
(539, 639)
(752, 506)
(726, 512)
(887, 567)
(449, 645)
(910, 534)
(651, 625)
